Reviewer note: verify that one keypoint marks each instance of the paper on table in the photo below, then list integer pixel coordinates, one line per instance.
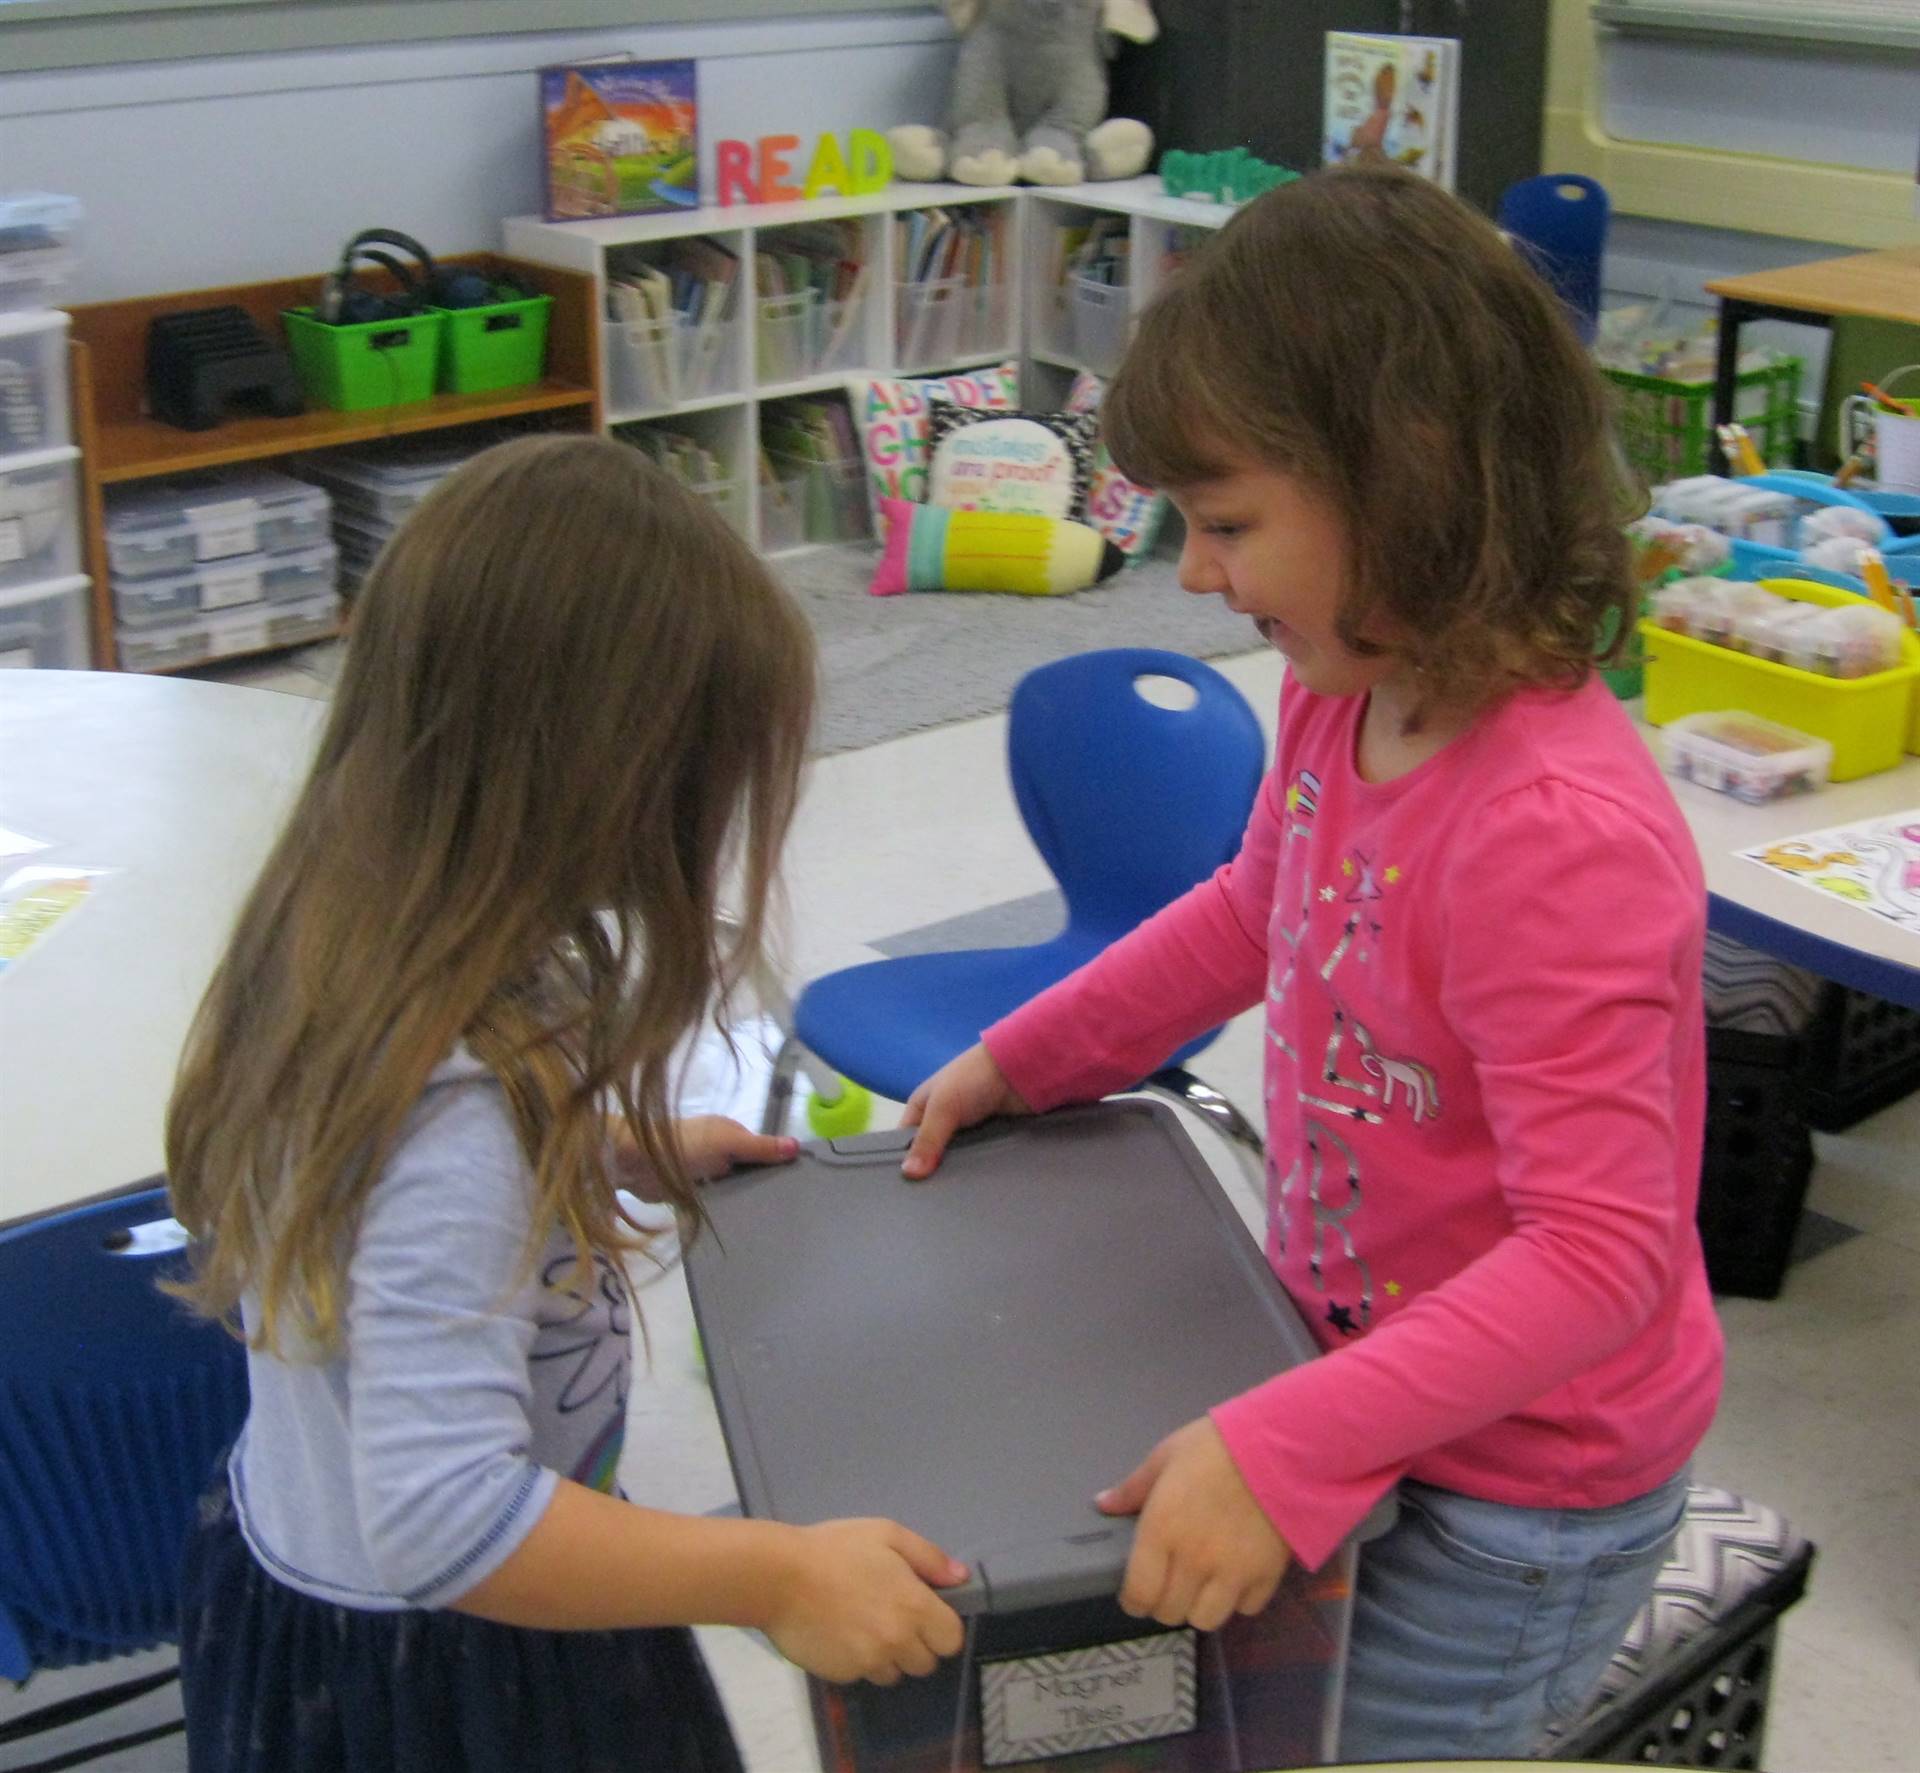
(33, 901)
(1874, 864)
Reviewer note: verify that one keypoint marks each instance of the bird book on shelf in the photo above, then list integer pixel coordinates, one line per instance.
(1395, 99)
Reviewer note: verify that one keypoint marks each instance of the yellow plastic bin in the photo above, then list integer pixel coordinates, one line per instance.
(1869, 721)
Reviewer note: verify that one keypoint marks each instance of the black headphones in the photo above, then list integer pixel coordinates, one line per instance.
(423, 284)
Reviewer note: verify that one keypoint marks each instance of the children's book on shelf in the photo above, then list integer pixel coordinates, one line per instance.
(798, 435)
(1393, 98)
(686, 458)
(967, 245)
(1098, 251)
(819, 268)
(676, 307)
(619, 138)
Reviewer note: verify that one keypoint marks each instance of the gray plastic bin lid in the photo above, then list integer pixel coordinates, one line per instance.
(978, 1354)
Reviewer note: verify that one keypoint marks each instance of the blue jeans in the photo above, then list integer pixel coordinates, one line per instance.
(1481, 1629)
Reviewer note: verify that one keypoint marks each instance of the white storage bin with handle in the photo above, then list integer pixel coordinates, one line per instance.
(43, 626)
(33, 382)
(39, 516)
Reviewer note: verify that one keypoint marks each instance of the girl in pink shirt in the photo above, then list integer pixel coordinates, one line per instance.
(1475, 917)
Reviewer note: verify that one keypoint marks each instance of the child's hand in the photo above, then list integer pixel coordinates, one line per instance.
(963, 1092)
(856, 1605)
(711, 1144)
(1204, 1549)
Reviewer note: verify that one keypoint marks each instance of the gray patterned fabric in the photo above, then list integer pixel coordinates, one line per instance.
(1749, 990)
(1727, 1547)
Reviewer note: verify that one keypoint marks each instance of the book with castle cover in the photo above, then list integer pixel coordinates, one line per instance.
(1395, 99)
(618, 139)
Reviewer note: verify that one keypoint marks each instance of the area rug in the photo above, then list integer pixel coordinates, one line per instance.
(894, 665)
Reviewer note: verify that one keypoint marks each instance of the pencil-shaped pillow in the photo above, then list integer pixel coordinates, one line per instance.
(929, 548)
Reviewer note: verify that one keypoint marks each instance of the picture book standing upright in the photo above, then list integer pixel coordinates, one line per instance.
(1393, 98)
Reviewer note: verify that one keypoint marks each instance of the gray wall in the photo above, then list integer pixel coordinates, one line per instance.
(249, 167)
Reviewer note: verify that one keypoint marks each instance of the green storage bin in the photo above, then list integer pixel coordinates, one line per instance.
(502, 345)
(1666, 426)
(355, 368)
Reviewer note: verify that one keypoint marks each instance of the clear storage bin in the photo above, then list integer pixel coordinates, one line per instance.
(929, 321)
(225, 584)
(1098, 318)
(169, 526)
(657, 364)
(251, 628)
(385, 483)
(39, 517)
(728, 496)
(1754, 760)
(37, 260)
(830, 497)
(801, 336)
(33, 382)
(841, 1391)
(43, 626)
(783, 509)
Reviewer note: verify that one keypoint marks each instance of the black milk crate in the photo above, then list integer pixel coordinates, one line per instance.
(1863, 1056)
(1707, 1705)
(1757, 1157)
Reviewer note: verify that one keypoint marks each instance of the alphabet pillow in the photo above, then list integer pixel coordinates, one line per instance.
(1127, 514)
(892, 415)
(1040, 464)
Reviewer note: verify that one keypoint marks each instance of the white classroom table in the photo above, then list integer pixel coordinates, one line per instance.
(178, 788)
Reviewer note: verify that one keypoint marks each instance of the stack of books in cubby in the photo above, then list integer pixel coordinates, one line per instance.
(1092, 273)
(813, 484)
(810, 281)
(950, 294)
(695, 463)
(43, 592)
(672, 325)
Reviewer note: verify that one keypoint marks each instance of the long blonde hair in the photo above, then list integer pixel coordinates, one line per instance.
(573, 703)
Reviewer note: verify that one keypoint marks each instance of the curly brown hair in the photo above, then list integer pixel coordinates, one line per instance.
(1365, 331)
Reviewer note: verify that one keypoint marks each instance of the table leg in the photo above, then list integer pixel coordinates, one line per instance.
(1733, 315)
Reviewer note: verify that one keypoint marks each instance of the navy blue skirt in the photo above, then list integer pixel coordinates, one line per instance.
(275, 1681)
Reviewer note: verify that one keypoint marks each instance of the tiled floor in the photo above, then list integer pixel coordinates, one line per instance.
(1822, 1411)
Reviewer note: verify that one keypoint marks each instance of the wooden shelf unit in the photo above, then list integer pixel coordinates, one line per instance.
(119, 443)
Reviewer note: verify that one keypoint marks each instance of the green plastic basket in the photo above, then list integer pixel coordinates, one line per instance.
(1666, 427)
(503, 345)
(355, 368)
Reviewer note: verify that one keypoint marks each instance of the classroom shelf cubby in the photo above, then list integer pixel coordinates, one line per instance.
(913, 280)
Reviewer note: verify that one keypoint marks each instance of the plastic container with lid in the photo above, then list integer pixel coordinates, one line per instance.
(37, 232)
(33, 382)
(225, 584)
(169, 526)
(385, 481)
(43, 625)
(249, 628)
(1741, 754)
(1095, 1291)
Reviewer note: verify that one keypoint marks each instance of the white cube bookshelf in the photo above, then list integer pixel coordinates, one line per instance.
(717, 386)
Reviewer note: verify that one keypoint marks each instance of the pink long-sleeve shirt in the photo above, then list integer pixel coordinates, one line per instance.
(1485, 1087)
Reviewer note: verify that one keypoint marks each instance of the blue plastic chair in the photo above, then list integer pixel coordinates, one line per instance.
(1560, 221)
(1130, 804)
(115, 1404)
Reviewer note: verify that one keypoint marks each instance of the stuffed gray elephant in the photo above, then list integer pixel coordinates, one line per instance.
(1030, 96)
